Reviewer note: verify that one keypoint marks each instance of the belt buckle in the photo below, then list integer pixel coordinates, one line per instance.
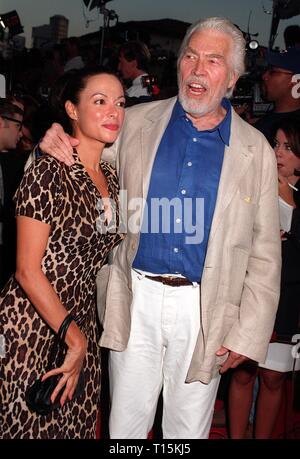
(174, 281)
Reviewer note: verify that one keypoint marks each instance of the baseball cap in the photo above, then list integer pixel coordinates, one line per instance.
(288, 59)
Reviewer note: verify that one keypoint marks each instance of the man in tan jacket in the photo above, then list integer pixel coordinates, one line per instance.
(193, 289)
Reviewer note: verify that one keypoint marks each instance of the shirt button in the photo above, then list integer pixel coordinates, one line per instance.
(178, 220)
(183, 191)
(195, 139)
(176, 250)
(189, 163)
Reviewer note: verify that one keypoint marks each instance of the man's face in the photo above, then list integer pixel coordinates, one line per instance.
(276, 83)
(126, 68)
(205, 72)
(10, 130)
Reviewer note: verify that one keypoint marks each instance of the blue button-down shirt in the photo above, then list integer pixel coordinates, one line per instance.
(182, 196)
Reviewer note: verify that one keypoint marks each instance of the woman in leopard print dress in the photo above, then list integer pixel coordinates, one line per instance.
(61, 246)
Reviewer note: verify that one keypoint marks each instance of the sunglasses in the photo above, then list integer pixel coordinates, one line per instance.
(19, 123)
(272, 71)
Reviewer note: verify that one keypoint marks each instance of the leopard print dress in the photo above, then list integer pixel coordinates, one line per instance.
(67, 199)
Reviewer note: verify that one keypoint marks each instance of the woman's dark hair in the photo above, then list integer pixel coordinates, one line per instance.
(290, 125)
(69, 87)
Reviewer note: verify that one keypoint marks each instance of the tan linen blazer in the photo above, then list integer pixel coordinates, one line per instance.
(239, 288)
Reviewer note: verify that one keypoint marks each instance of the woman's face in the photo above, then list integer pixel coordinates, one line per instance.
(100, 112)
(287, 161)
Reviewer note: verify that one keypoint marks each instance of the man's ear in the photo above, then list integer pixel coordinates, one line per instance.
(71, 110)
(233, 79)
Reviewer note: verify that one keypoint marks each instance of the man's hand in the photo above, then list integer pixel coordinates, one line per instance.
(233, 360)
(59, 144)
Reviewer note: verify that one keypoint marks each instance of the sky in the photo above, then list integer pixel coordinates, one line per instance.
(38, 12)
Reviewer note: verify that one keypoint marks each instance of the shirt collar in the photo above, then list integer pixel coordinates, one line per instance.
(223, 127)
(77, 170)
(138, 80)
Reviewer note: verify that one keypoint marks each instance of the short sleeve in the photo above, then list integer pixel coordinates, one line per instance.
(38, 195)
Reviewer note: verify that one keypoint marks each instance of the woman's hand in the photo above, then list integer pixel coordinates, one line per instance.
(70, 371)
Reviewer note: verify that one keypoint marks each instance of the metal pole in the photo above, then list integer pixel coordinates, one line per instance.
(104, 11)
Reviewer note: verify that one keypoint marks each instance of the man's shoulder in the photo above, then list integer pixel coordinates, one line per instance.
(147, 107)
(46, 163)
(245, 130)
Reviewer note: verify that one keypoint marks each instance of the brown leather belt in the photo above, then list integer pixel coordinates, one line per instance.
(171, 281)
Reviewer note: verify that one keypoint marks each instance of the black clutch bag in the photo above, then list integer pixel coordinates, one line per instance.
(38, 395)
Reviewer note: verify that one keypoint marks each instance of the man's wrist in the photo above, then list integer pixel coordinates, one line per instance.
(38, 151)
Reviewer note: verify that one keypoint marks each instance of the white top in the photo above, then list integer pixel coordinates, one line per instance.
(285, 215)
(283, 357)
(137, 90)
(74, 64)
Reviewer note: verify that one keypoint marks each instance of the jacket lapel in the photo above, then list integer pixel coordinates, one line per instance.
(237, 158)
(151, 134)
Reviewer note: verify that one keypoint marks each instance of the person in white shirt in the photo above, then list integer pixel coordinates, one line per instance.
(134, 59)
(74, 60)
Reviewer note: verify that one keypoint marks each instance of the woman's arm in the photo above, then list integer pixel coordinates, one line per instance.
(32, 238)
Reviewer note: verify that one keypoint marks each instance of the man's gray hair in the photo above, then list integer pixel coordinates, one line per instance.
(225, 26)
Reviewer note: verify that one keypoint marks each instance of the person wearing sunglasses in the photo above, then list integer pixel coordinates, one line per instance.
(280, 86)
(11, 117)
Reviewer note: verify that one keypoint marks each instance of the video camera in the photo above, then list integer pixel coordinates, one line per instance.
(248, 88)
(248, 92)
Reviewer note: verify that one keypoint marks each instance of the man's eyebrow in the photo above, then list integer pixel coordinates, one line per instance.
(215, 55)
(188, 49)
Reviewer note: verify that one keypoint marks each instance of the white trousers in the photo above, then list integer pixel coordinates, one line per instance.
(164, 330)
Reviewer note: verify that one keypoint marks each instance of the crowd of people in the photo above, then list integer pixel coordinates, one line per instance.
(185, 274)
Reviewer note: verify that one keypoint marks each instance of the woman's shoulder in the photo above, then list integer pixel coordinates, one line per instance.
(39, 189)
(48, 161)
(45, 173)
(44, 166)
